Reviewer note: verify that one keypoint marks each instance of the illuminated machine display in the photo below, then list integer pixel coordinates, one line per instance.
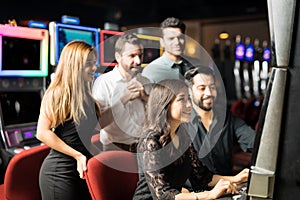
(20, 111)
(152, 48)
(251, 68)
(23, 72)
(108, 38)
(30, 49)
(61, 34)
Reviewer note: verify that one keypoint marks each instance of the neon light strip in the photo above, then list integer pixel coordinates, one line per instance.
(150, 37)
(102, 58)
(30, 34)
(74, 27)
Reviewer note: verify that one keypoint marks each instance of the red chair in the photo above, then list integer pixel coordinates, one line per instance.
(237, 108)
(21, 180)
(112, 175)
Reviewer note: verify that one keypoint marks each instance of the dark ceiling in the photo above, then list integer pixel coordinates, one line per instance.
(127, 12)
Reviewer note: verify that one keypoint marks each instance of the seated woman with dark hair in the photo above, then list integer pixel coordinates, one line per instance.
(166, 156)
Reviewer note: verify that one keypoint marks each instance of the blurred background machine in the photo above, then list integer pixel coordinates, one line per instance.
(23, 72)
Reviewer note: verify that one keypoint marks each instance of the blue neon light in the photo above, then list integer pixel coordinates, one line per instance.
(37, 24)
(239, 51)
(249, 53)
(267, 54)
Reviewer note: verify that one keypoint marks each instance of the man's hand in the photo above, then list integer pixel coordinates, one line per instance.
(242, 176)
(133, 91)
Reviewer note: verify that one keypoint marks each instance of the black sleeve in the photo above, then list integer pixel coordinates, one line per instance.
(152, 163)
(244, 133)
(201, 176)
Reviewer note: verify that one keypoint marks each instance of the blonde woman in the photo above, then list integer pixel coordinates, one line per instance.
(68, 116)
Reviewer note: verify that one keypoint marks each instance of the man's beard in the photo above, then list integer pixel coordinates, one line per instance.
(205, 108)
(133, 73)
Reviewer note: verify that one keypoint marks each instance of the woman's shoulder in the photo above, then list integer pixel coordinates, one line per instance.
(151, 135)
(150, 140)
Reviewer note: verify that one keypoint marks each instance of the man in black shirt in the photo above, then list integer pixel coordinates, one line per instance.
(213, 128)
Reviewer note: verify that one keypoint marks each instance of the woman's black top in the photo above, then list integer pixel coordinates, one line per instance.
(163, 170)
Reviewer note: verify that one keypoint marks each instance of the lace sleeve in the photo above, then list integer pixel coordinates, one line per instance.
(151, 158)
(201, 176)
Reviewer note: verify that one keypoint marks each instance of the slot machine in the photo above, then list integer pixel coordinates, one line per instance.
(152, 48)
(61, 34)
(23, 72)
(239, 57)
(247, 68)
(67, 31)
(264, 73)
(275, 167)
(256, 69)
(108, 40)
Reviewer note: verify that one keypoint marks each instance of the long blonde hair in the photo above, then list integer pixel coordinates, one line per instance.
(64, 98)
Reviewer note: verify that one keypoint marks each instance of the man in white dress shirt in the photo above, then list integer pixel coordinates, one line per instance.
(122, 91)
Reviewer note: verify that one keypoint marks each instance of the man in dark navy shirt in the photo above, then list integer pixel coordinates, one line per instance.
(213, 128)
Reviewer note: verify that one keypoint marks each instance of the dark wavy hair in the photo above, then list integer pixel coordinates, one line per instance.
(160, 98)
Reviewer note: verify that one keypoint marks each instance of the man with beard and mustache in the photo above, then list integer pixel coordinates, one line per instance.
(122, 91)
(215, 131)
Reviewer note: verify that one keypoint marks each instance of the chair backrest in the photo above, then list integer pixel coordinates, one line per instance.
(237, 108)
(112, 175)
(96, 146)
(21, 181)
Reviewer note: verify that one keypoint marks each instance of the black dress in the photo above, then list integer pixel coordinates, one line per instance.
(59, 178)
(164, 170)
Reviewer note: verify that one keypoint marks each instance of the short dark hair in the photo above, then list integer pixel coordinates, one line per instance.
(189, 75)
(173, 23)
(130, 38)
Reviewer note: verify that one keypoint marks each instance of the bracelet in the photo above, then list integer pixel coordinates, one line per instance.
(196, 197)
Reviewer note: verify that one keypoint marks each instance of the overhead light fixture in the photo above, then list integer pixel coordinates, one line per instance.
(191, 48)
(224, 35)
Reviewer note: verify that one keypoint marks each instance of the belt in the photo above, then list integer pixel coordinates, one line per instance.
(127, 147)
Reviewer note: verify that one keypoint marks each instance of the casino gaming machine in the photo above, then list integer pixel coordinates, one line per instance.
(23, 72)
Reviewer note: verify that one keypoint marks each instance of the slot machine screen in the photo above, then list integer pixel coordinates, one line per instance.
(19, 115)
(152, 48)
(23, 52)
(61, 34)
(151, 44)
(20, 107)
(107, 47)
